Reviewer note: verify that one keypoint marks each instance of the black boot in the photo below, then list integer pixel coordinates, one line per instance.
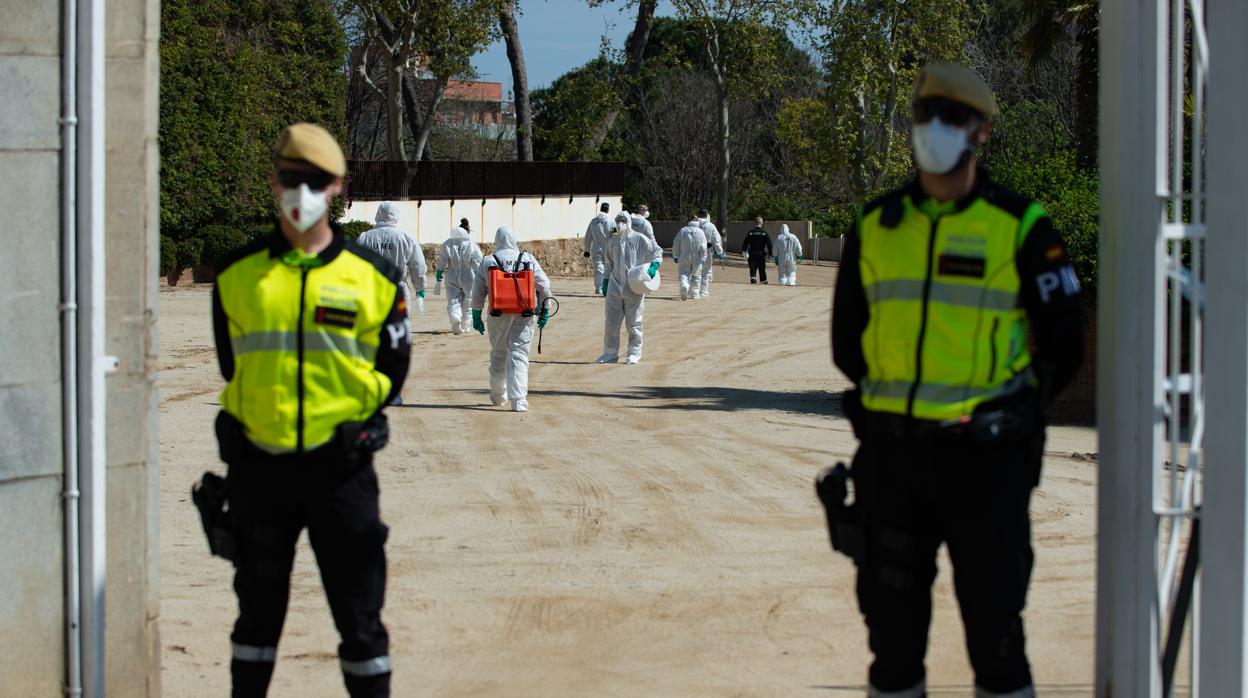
(250, 679)
(376, 686)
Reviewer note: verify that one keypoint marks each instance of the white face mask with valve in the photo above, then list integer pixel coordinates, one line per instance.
(938, 147)
(303, 207)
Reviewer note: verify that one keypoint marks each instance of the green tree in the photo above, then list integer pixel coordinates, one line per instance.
(233, 73)
(736, 33)
(1050, 24)
(856, 130)
(438, 37)
(570, 112)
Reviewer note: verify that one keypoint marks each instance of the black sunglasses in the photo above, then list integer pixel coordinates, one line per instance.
(947, 110)
(315, 179)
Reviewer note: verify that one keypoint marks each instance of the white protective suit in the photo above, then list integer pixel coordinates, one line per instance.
(596, 236)
(626, 249)
(787, 249)
(510, 335)
(641, 225)
(714, 248)
(458, 258)
(396, 247)
(689, 251)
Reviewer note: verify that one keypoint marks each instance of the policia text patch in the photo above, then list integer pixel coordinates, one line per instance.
(335, 317)
(952, 265)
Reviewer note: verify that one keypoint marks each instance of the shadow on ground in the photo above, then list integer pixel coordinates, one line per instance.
(717, 399)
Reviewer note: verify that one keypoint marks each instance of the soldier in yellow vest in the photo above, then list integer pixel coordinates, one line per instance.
(313, 339)
(957, 317)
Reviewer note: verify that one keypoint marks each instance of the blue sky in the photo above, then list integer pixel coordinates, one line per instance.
(559, 35)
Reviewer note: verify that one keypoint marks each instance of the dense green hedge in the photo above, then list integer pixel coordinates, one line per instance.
(233, 73)
(353, 229)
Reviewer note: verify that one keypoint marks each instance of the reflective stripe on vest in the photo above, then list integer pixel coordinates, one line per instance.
(312, 341)
(304, 343)
(945, 330)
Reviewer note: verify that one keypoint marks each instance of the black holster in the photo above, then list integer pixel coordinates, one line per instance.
(209, 495)
(844, 520)
(363, 438)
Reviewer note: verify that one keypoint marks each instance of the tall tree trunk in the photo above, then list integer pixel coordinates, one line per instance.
(725, 156)
(411, 107)
(632, 65)
(520, 82)
(431, 115)
(1087, 84)
(394, 108)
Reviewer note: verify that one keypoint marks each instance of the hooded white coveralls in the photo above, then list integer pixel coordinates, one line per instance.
(689, 250)
(642, 225)
(459, 257)
(714, 248)
(626, 249)
(787, 249)
(510, 335)
(397, 247)
(596, 236)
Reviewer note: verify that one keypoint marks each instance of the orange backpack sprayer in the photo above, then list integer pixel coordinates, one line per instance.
(512, 292)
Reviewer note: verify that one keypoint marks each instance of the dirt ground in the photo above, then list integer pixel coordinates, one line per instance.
(644, 530)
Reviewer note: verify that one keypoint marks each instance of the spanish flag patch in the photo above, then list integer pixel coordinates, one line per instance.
(1054, 253)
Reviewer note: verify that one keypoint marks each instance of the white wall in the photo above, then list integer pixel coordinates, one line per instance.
(530, 218)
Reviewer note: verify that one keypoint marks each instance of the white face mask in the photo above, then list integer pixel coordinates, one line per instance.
(938, 147)
(645, 214)
(303, 207)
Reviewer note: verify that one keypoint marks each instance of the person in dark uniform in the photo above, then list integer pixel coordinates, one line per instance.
(957, 316)
(757, 248)
(313, 340)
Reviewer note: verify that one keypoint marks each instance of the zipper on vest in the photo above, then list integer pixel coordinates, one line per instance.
(927, 292)
(992, 349)
(303, 290)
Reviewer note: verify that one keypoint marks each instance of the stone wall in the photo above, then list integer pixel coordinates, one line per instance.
(32, 618)
(31, 609)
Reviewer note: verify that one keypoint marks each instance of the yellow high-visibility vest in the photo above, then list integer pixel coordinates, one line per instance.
(304, 342)
(946, 330)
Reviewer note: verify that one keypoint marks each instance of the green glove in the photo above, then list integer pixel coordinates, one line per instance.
(799, 258)
(776, 260)
(420, 293)
(604, 286)
(476, 321)
(543, 318)
(437, 275)
(654, 269)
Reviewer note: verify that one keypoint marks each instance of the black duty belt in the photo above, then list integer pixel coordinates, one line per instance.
(989, 425)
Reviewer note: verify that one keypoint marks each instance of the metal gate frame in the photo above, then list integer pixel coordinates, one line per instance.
(1160, 421)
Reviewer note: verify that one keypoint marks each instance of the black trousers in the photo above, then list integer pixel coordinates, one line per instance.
(758, 266)
(917, 492)
(271, 499)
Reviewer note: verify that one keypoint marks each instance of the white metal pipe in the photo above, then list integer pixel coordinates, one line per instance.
(90, 355)
(69, 347)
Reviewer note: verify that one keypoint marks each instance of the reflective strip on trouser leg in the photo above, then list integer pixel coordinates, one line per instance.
(1024, 692)
(367, 667)
(918, 690)
(252, 653)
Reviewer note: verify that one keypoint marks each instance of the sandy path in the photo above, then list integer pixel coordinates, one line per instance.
(644, 530)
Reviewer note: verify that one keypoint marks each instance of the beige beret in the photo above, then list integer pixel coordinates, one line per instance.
(956, 82)
(313, 145)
